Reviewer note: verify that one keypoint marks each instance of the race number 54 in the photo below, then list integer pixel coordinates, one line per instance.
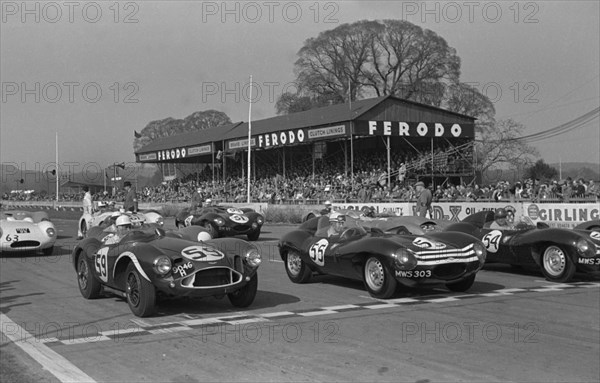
(317, 252)
(491, 240)
(101, 261)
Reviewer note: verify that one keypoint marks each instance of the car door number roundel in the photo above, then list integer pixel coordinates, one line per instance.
(595, 235)
(317, 252)
(491, 240)
(101, 263)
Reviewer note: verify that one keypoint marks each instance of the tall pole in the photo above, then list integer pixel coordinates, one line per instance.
(104, 173)
(57, 173)
(389, 167)
(249, 138)
(559, 167)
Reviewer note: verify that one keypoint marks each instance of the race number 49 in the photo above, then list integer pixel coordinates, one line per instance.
(317, 252)
(491, 240)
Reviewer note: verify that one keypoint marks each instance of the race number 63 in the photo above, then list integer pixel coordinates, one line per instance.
(491, 240)
(317, 252)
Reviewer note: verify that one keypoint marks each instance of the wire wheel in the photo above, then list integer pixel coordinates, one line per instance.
(374, 274)
(556, 264)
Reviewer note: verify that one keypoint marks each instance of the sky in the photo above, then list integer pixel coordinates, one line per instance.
(93, 72)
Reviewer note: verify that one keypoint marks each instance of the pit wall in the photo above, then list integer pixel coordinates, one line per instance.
(563, 215)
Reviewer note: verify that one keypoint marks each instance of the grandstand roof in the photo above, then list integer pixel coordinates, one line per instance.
(318, 117)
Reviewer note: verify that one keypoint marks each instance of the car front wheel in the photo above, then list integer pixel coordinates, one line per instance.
(556, 264)
(245, 296)
(296, 269)
(140, 293)
(89, 286)
(379, 282)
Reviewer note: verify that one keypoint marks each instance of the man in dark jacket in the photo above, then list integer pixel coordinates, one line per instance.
(131, 202)
(423, 200)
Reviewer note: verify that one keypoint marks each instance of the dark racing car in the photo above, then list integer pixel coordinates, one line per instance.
(145, 264)
(381, 260)
(559, 253)
(222, 221)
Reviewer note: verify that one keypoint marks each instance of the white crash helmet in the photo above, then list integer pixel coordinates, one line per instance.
(327, 203)
(123, 221)
(208, 201)
(337, 217)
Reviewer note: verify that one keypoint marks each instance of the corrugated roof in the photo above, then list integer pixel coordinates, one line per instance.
(315, 117)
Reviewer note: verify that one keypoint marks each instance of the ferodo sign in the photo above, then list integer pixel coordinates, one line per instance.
(289, 137)
(563, 215)
(414, 129)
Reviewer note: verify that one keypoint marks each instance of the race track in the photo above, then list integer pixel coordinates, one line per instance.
(511, 326)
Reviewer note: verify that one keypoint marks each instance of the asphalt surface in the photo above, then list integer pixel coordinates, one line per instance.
(511, 326)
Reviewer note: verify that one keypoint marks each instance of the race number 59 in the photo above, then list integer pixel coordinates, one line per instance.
(491, 240)
(100, 261)
(317, 252)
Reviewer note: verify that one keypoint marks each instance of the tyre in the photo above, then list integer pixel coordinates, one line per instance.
(212, 230)
(245, 296)
(141, 296)
(83, 229)
(296, 269)
(254, 235)
(48, 251)
(462, 285)
(380, 283)
(89, 286)
(556, 264)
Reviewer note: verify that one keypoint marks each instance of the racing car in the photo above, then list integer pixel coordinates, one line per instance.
(222, 221)
(589, 225)
(559, 253)
(102, 216)
(22, 231)
(381, 260)
(147, 263)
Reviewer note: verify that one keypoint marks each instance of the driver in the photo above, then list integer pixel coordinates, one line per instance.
(328, 207)
(121, 227)
(208, 202)
(336, 224)
(500, 220)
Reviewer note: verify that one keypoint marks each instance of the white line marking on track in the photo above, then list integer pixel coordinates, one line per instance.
(277, 314)
(318, 312)
(50, 360)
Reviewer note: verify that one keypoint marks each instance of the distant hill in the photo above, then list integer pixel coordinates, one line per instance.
(585, 170)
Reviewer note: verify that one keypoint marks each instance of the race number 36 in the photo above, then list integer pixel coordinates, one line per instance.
(491, 240)
(317, 252)
(100, 262)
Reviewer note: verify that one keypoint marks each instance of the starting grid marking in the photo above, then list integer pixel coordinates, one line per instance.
(196, 323)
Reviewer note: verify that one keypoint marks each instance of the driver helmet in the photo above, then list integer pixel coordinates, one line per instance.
(500, 213)
(208, 202)
(101, 204)
(328, 203)
(123, 221)
(337, 218)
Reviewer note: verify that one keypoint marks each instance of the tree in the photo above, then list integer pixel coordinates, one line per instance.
(170, 126)
(541, 170)
(501, 146)
(374, 58)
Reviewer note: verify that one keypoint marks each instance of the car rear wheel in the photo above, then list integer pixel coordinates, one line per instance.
(378, 280)
(89, 286)
(556, 264)
(254, 235)
(296, 269)
(212, 230)
(245, 296)
(462, 285)
(140, 293)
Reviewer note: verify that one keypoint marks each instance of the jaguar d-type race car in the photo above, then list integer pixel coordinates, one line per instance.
(557, 252)
(23, 231)
(146, 263)
(103, 216)
(381, 260)
(222, 221)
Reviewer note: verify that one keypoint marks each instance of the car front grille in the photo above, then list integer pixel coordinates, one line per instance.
(443, 256)
(449, 270)
(211, 278)
(19, 244)
(241, 227)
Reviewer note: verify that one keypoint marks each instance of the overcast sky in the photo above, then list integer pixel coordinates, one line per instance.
(176, 57)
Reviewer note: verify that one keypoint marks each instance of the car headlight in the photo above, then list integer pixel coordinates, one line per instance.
(404, 260)
(584, 247)
(480, 251)
(254, 225)
(219, 221)
(50, 232)
(253, 257)
(260, 220)
(160, 221)
(162, 265)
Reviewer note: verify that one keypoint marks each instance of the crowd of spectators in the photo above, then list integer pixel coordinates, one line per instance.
(306, 181)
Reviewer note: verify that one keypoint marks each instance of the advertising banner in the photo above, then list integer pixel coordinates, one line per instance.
(563, 215)
(399, 208)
